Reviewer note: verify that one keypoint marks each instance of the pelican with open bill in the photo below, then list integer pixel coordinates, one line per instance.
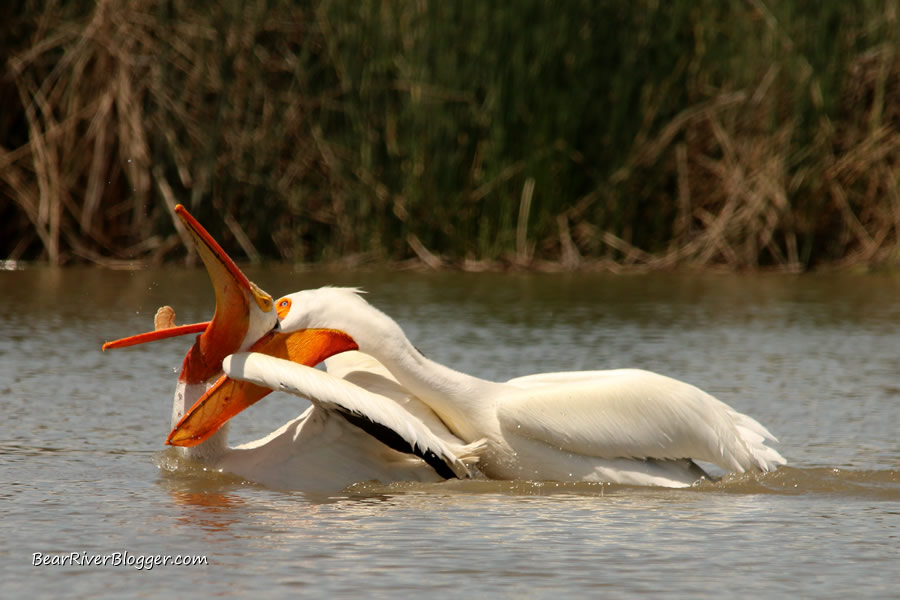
(348, 435)
(625, 426)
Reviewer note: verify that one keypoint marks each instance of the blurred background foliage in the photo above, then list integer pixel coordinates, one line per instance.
(527, 134)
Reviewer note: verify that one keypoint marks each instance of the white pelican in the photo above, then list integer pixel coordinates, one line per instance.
(624, 426)
(348, 435)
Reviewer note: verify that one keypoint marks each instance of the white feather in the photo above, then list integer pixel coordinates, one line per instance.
(629, 413)
(328, 391)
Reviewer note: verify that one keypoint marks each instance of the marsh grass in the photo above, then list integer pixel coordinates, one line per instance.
(644, 135)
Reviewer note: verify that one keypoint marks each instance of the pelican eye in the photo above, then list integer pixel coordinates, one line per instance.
(283, 307)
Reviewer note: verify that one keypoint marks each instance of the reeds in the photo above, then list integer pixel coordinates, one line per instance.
(571, 135)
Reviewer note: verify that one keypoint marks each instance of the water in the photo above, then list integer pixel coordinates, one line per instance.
(814, 358)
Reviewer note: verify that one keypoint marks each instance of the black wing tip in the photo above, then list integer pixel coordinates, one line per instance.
(395, 441)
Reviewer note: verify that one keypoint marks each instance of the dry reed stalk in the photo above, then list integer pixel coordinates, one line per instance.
(893, 193)
(46, 169)
(100, 157)
(633, 255)
(683, 220)
(427, 257)
(505, 175)
(856, 162)
(570, 256)
(868, 244)
(169, 197)
(647, 153)
(243, 239)
(523, 251)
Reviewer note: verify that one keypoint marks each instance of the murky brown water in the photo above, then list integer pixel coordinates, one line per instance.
(814, 358)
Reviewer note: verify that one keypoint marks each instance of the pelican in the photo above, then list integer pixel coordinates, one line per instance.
(624, 426)
(348, 435)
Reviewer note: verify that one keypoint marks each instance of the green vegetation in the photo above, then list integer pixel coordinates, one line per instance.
(580, 134)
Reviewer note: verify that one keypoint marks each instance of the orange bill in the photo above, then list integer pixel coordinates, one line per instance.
(235, 297)
(234, 293)
(228, 397)
(159, 334)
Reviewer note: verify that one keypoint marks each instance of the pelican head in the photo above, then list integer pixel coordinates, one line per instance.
(305, 334)
(244, 313)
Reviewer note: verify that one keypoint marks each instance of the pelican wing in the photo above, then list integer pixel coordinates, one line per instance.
(373, 413)
(366, 372)
(629, 413)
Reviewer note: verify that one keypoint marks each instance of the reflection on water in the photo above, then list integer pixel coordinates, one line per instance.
(814, 358)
